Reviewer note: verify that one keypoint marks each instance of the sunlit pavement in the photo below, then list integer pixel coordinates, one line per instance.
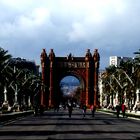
(130, 114)
(58, 125)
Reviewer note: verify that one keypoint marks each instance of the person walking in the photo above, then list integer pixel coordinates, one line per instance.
(70, 108)
(118, 110)
(123, 107)
(41, 110)
(36, 110)
(93, 109)
(84, 110)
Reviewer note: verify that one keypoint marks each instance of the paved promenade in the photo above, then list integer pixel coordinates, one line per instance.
(129, 114)
(58, 125)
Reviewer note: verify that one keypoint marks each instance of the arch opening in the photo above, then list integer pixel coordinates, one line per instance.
(71, 88)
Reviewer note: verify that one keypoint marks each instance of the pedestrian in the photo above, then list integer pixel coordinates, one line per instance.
(118, 110)
(136, 108)
(123, 107)
(70, 108)
(36, 110)
(41, 109)
(93, 109)
(84, 110)
(56, 107)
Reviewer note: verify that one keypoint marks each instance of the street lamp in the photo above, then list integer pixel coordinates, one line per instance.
(5, 96)
(5, 105)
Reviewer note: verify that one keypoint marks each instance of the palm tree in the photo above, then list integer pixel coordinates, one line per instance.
(4, 62)
(4, 58)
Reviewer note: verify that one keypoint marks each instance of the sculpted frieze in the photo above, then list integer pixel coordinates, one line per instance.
(72, 64)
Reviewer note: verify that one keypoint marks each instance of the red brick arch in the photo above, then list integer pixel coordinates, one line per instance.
(55, 68)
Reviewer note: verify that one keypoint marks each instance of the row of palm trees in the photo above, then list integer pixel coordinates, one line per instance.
(20, 82)
(121, 84)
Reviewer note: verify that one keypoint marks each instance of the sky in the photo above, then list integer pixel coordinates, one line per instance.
(70, 26)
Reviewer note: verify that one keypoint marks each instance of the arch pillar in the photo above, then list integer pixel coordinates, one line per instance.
(96, 58)
(43, 67)
(88, 74)
(51, 88)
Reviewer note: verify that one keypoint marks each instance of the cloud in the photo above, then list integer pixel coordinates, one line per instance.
(70, 26)
(77, 32)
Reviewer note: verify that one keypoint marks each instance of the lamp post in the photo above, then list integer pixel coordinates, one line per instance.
(137, 98)
(5, 102)
(16, 93)
(5, 94)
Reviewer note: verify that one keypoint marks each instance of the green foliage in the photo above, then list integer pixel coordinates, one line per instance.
(18, 73)
(126, 66)
(111, 69)
(4, 56)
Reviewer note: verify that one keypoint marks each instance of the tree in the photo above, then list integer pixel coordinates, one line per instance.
(20, 77)
(111, 69)
(4, 58)
(136, 66)
(4, 76)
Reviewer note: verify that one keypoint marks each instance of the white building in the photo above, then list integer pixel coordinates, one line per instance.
(115, 60)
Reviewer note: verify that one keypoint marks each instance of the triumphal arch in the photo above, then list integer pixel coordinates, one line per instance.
(83, 68)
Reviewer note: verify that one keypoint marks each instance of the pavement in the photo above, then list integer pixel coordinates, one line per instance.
(13, 115)
(58, 125)
(131, 114)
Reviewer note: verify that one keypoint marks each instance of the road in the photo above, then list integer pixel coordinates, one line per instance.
(58, 125)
